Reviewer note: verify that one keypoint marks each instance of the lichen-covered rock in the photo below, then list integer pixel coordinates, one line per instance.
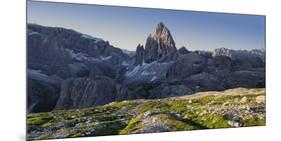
(260, 99)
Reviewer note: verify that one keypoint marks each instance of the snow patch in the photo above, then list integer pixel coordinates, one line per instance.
(148, 73)
(39, 75)
(153, 78)
(133, 72)
(124, 63)
(78, 56)
(105, 58)
(30, 32)
(147, 65)
(36, 73)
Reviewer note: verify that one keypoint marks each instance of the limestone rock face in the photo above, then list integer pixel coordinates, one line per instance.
(189, 65)
(139, 58)
(221, 63)
(63, 52)
(203, 82)
(88, 92)
(160, 46)
(255, 57)
(42, 96)
(247, 79)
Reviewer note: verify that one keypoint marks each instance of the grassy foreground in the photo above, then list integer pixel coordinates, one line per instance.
(238, 107)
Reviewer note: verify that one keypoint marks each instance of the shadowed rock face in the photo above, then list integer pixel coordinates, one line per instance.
(88, 92)
(56, 54)
(189, 65)
(255, 58)
(42, 96)
(183, 51)
(139, 58)
(60, 51)
(161, 46)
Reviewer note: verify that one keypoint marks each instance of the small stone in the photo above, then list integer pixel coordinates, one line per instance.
(188, 106)
(243, 100)
(225, 104)
(236, 124)
(236, 100)
(260, 99)
(146, 114)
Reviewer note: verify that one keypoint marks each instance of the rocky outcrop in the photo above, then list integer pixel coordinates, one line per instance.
(203, 82)
(160, 46)
(255, 57)
(189, 65)
(221, 63)
(88, 92)
(42, 96)
(139, 57)
(205, 54)
(67, 53)
(246, 79)
(183, 51)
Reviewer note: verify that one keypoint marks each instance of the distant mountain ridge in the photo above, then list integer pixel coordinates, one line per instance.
(240, 54)
(66, 64)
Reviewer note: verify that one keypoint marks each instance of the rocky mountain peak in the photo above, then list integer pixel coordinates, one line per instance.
(160, 26)
(160, 46)
(183, 50)
(139, 55)
(163, 36)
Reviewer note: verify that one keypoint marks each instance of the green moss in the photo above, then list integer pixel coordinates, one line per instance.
(76, 134)
(179, 105)
(204, 100)
(48, 124)
(133, 125)
(149, 106)
(210, 120)
(174, 123)
(109, 128)
(121, 104)
(38, 120)
(253, 122)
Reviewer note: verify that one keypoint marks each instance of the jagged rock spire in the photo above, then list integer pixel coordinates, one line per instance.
(163, 36)
(139, 58)
(160, 46)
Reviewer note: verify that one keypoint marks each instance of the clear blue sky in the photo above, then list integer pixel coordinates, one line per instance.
(126, 27)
